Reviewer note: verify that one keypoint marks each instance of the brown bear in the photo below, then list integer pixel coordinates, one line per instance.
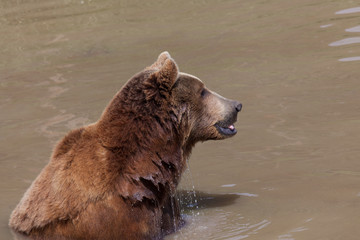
(116, 178)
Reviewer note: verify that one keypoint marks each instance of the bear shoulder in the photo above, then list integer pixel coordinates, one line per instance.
(67, 142)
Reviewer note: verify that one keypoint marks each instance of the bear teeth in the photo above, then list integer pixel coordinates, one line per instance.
(231, 127)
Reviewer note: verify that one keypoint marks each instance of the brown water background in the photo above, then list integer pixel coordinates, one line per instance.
(292, 171)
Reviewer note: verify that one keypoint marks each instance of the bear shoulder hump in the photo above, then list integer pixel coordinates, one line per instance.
(68, 142)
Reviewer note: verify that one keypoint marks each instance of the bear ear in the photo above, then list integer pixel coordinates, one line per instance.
(168, 73)
(160, 61)
(163, 76)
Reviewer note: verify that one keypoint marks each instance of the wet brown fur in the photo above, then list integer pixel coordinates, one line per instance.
(116, 178)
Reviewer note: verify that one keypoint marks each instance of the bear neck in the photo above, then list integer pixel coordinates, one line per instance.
(146, 140)
(130, 124)
(154, 159)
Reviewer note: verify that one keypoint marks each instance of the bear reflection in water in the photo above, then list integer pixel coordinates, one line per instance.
(116, 178)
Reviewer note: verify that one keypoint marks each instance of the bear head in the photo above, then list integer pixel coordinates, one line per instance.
(161, 104)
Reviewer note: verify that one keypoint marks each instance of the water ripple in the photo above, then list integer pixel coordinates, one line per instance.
(353, 29)
(345, 41)
(349, 10)
(350, 59)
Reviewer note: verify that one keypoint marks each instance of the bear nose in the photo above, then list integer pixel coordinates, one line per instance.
(238, 106)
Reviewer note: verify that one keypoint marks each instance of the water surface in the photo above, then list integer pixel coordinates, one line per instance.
(292, 171)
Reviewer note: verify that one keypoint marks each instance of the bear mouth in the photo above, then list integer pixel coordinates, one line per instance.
(227, 129)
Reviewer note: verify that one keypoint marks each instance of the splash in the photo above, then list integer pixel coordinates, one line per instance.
(189, 199)
(172, 199)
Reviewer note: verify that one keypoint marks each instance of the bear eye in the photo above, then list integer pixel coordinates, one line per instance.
(203, 92)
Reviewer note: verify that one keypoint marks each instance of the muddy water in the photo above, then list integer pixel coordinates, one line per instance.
(293, 170)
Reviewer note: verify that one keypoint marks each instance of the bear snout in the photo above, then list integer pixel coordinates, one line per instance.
(238, 106)
(226, 126)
